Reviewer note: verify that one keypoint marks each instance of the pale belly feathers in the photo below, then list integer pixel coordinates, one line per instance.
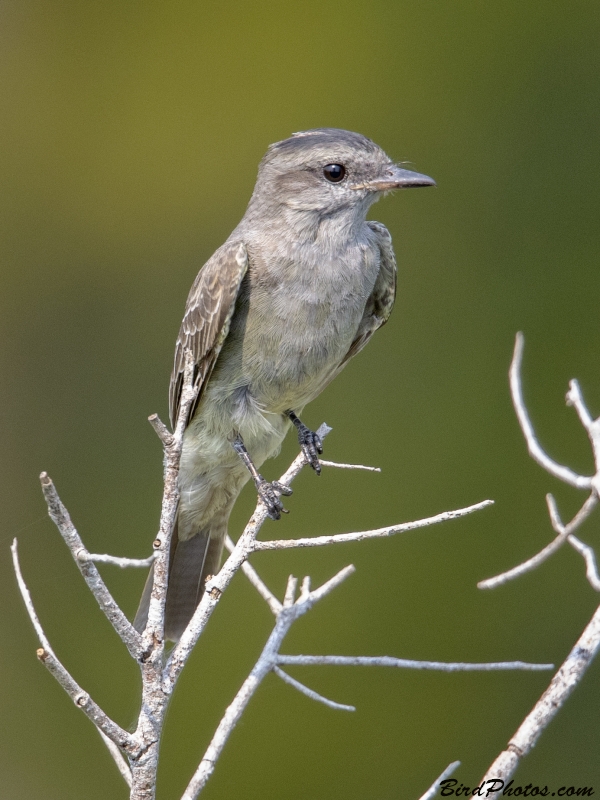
(286, 341)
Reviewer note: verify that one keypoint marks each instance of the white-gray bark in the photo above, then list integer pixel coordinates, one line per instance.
(136, 754)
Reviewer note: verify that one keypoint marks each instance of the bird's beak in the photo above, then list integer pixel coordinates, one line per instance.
(394, 177)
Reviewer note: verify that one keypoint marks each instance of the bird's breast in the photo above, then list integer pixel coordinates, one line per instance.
(297, 319)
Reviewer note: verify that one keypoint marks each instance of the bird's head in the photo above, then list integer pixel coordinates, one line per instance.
(328, 171)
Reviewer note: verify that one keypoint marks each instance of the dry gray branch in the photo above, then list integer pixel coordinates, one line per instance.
(121, 763)
(256, 581)
(158, 678)
(117, 561)
(48, 658)
(291, 611)
(535, 449)
(406, 663)
(435, 786)
(582, 654)
(60, 516)
(336, 464)
(153, 636)
(591, 569)
(564, 532)
(359, 536)
(555, 696)
(215, 587)
(310, 692)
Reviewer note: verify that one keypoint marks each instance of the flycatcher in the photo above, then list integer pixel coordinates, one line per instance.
(273, 316)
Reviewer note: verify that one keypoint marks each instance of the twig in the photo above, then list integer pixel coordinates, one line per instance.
(435, 786)
(592, 427)
(153, 636)
(564, 533)
(270, 659)
(48, 658)
(580, 657)
(267, 660)
(319, 541)
(348, 466)
(591, 570)
(215, 587)
(544, 711)
(60, 516)
(290, 592)
(404, 663)
(535, 450)
(575, 399)
(310, 692)
(158, 682)
(256, 581)
(122, 765)
(116, 561)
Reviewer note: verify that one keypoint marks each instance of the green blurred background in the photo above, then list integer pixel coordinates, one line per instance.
(131, 134)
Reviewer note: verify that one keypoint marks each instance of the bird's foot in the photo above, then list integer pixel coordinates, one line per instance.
(269, 494)
(312, 447)
(309, 441)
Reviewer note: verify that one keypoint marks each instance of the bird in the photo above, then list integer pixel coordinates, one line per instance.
(278, 310)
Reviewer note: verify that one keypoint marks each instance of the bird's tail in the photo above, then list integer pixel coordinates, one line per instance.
(190, 563)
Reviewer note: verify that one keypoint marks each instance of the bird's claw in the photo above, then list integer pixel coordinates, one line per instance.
(312, 447)
(269, 494)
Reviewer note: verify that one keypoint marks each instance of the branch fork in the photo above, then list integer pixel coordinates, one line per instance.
(565, 532)
(136, 754)
(575, 665)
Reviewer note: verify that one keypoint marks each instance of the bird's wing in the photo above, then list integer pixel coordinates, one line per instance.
(381, 301)
(207, 318)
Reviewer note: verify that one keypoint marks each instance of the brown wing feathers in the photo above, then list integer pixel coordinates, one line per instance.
(380, 303)
(207, 317)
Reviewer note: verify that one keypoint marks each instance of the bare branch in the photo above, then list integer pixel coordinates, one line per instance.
(319, 541)
(592, 427)
(290, 592)
(580, 517)
(305, 588)
(434, 788)
(117, 561)
(153, 637)
(563, 531)
(122, 765)
(158, 682)
(60, 516)
(266, 662)
(48, 658)
(215, 588)
(256, 581)
(309, 692)
(575, 398)
(555, 696)
(526, 566)
(404, 663)
(163, 433)
(591, 570)
(348, 466)
(535, 450)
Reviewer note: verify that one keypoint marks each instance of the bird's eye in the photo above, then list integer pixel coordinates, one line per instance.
(334, 172)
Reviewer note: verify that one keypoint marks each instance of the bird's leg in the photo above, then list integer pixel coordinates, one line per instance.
(309, 441)
(267, 492)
